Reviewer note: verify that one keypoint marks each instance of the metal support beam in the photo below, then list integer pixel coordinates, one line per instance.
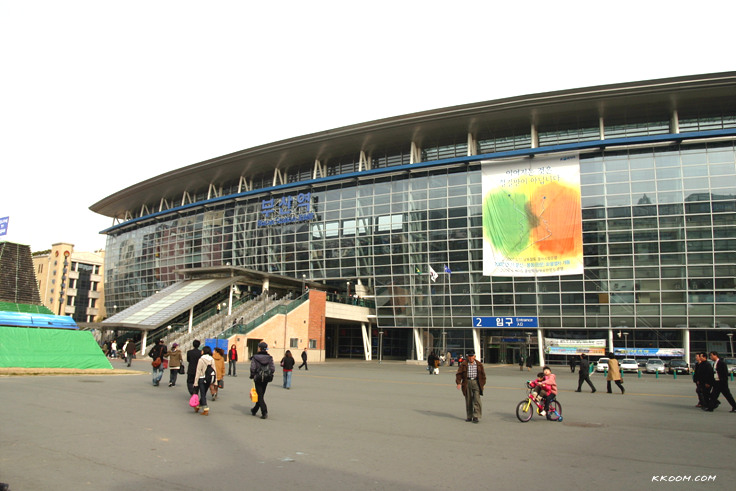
(366, 341)
(419, 343)
(319, 170)
(540, 346)
(416, 153)
(472, 145)
(365, 162)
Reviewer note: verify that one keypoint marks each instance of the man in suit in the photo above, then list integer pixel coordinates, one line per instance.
(584, 373)
(703, 378)
(721, 383)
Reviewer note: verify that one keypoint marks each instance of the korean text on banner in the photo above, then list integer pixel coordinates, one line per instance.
(532, 217)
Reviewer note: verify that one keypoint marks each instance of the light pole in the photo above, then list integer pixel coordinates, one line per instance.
(304, 279)
(348, 292)
(730, 341)
(168, 333)
(626, 344)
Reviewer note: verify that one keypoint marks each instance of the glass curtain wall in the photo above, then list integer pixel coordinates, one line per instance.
(659, 231)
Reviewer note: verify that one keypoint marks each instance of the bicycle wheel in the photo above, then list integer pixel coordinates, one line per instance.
(525, 410)
(555, 411)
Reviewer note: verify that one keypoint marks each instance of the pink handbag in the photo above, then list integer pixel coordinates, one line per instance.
(194, 400)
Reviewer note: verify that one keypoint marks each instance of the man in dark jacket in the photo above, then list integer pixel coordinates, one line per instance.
(471, 378)
(260, 361)
(703, 378)
(130, 350)
(193, 356)
(721, 383)
(158, 353)
(584, 373)
(304, 360)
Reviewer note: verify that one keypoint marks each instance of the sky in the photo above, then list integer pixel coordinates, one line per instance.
(96, 96)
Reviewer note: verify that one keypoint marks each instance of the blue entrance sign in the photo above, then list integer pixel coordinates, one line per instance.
(4, 225)
(506, 322)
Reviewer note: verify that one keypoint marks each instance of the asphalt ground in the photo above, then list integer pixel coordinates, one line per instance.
(354, 425)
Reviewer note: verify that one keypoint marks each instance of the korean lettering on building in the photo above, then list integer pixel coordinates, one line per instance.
(286, 209)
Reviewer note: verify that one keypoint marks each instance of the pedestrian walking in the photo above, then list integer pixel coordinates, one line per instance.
(704, 380)
(204, 378)
(471, 378)
(174, 357)
(157, 353)
(232, 359)
(614, 374)
(261, 371)
(721, 383)
(287, 363)
(584, 373)
(124, 351)
(193, 356)
(433, 363)
(130, 351)
(304, 360)
(219, 357)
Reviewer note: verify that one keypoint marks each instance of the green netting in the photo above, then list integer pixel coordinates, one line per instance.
(24, 307)
(24, 347)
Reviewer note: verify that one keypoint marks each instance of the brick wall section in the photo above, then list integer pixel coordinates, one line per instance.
(317, 304)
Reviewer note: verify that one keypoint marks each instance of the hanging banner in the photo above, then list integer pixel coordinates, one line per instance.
(4, 225)
(532, 218)
(553, 346)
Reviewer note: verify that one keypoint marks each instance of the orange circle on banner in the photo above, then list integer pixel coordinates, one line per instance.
(57, 254)
(66, 253)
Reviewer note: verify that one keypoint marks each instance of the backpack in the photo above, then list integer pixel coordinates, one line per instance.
(209, 375)
(263, 374)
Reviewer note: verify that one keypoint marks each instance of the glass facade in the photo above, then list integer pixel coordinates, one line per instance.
(659, 233)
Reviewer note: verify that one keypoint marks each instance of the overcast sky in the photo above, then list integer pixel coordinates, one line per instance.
(96, 96)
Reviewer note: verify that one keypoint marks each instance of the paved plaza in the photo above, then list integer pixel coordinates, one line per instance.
(354, 425)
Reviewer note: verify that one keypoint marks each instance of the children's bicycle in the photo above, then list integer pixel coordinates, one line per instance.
(526, 408)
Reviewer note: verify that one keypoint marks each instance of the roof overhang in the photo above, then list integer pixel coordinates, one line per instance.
(634, 100)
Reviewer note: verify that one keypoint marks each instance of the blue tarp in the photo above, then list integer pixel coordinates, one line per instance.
(22, 319)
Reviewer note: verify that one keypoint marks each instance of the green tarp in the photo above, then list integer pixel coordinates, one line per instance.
(25, 347)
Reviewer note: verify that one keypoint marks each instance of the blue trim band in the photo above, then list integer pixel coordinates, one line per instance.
(567, 147)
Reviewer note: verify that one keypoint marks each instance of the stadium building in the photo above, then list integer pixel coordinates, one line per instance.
(592, 219)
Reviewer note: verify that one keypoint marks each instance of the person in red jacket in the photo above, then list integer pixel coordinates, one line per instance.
(232, 358)
(549, 388)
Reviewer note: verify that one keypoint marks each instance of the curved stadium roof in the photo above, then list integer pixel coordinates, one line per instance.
(646, 100)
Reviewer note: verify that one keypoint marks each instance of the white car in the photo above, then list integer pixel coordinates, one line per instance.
(629, 365)
(602, 365)
(655, 365)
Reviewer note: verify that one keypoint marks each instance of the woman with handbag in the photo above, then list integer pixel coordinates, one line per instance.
(219, 357)
(174, 357)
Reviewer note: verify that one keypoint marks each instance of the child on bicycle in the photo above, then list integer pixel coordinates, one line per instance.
(547, 386)
(536, 386)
